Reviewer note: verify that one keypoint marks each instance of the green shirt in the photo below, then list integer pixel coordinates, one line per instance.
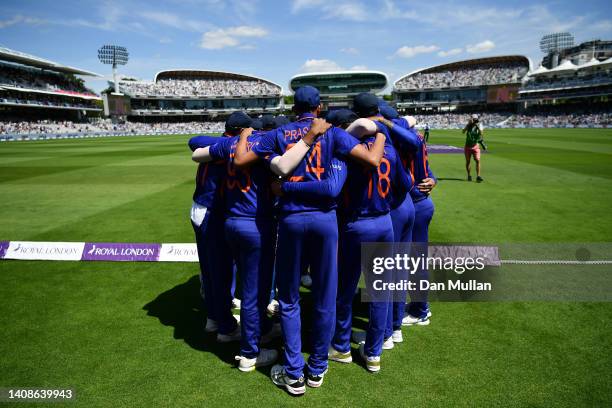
(473, 135)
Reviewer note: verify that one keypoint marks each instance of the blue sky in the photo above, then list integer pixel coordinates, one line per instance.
(278, 39)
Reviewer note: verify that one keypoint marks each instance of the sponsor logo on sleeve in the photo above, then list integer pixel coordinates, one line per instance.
(52, 251)
(178, 253)
(107, 251)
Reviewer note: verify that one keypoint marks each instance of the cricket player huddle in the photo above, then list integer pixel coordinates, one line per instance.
(303, 196)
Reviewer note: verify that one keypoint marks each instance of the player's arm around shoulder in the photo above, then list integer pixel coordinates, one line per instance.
(373, 155)
(284, 165)
(243, 156)
(211, 152)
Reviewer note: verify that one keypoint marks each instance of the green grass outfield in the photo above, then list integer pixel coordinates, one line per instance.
(130, 334)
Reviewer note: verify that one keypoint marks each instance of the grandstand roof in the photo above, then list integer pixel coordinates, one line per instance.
(540, 70)
(334, 73)
(469, 62)
(593, 62)
(205, 74)
(19, 57)
(341, 74)
(565, 66)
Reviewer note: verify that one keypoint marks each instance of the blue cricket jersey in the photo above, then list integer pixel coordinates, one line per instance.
(209, 176)
(314, 166)
(413, 153)
(247, 191)
(331, 186)
(371, 192)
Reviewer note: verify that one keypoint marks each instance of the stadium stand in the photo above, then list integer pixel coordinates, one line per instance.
(200, 93)
(481, 81)
(338, 88)
(17, 130)
(199, 87)
(511, 120)
(28, 82)
(569, 80)
(471, 75)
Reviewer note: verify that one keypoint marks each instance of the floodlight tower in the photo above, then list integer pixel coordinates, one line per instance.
(113, 55)
(552, 45)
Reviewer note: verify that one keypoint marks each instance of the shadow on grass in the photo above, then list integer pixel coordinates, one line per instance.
(181, 307)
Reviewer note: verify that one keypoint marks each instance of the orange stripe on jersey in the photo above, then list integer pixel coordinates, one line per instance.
(425, 161)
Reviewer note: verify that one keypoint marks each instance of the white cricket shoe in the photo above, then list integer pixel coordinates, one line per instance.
(273, 308)
(233, 336)
(279, 377)
(410, 320)
(372, 362)
(388, 344)
(397, 336)
(315, 381)
(211, 326)
(340, 357)
(236, 303)
(274, 333)
(306, 281)
(265, 358)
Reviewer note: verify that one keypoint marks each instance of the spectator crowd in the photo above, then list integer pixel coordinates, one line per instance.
(31, 78)
(435, 121)
(475, 75)
(106, 126)
(199, 87)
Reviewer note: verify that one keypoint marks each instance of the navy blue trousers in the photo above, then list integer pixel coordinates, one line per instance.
(423, 213)
(403, 222)
(252, 245)
(313, 235)
(375, 229)
(218, 257)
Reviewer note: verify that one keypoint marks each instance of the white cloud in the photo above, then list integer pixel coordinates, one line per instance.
(450, 52)
(359, 68)
(320, 65)
(299, 5)
(344, 10)
(409, 52)
(483, 46)
(230, 37)
(165, 40)
(18, 19)
(350, 50)
(174, 21)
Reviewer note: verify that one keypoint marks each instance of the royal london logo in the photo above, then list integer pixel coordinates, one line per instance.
(45, 250)
(120, 251)
(181, 251)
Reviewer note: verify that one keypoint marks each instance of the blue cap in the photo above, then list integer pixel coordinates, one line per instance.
(238, 120)
(388, 112)
(257, 124)
(365, 104)
(306, 98)
(268, 122)
(341, 117)
(281, 120)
